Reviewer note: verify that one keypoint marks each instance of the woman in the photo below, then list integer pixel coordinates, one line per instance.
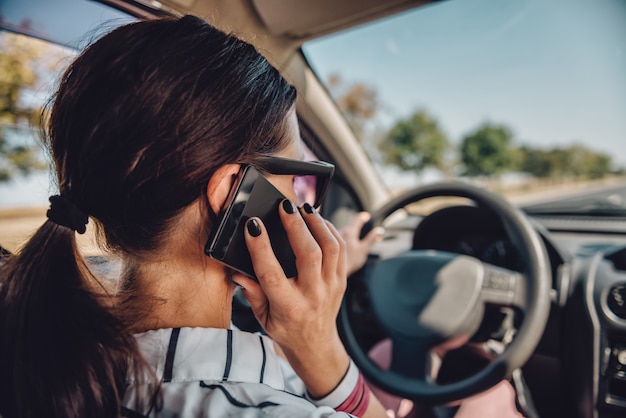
(147, 129)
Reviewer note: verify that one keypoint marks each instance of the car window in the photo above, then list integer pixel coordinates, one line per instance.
(521, 96)
(37, 42)
(38, 39)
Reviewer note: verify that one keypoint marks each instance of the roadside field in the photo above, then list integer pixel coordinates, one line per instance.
(17, 224)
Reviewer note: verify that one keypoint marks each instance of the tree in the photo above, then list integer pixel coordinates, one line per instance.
(535, 162)
(488, 150)
(20, 77)
(572, 161)
(358, 102)
(416, 143)
(583, 162)
(600, 166)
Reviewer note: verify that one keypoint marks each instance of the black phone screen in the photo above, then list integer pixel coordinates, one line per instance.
(252, 195)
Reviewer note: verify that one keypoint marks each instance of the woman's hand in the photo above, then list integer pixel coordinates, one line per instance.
(357, 249)
(300, 314)
(497, 402)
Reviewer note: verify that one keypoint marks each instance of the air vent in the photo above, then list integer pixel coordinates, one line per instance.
(616, 300)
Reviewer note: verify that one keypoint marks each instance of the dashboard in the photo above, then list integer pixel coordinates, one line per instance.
(471, 231)
(579, 367)
(478, 232)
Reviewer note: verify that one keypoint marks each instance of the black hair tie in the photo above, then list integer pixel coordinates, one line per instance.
(64, 213)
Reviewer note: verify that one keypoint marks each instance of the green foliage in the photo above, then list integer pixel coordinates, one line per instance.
(358, 102)
(416, 143)
(22, 68)
(573, 161)
(488, 150)
(17, 158)
(537, 162)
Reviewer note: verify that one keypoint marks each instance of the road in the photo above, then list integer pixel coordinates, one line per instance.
(611, 197)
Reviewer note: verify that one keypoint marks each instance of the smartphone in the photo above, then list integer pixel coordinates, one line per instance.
(251, 196)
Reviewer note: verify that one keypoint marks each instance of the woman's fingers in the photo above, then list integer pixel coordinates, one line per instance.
(343, 254)
(255, 296)
(353, 229)
(320, 261)
(329, 243)
(316, 248)
(357, 248)
(266, 267)
(307, 251)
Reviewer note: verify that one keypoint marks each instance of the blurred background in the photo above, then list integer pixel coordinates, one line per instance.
(525, 97)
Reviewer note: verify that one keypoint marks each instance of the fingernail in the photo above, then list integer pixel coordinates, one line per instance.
(253, 227)
(289, 206)
(308, 208)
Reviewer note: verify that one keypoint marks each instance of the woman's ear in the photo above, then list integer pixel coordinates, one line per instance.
(219, 186)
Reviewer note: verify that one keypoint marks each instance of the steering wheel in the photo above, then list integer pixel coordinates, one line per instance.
(422, 298)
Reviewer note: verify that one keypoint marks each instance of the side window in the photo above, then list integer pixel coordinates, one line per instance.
(29, 71)
(38, 39)
(343, 204)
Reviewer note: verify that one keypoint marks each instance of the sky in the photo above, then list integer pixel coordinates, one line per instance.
(552, 70)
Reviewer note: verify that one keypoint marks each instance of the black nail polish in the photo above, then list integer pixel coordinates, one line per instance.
(253, 227)
(308, 208)
(289, 206)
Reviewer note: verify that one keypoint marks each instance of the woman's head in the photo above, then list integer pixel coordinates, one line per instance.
(145, 116)
(141, 121)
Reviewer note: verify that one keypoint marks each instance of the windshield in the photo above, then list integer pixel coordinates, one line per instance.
(526, 97)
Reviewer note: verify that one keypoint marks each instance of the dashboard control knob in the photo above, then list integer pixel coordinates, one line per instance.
(616, 300)
(621, 357)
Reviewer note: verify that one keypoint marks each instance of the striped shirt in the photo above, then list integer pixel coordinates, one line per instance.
(208, 372)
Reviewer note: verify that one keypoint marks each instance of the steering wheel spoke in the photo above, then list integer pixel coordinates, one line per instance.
(504, 287)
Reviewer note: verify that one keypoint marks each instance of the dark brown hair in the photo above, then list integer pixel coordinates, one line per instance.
(140, 122)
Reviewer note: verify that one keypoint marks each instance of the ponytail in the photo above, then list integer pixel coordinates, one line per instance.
(62, 351)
